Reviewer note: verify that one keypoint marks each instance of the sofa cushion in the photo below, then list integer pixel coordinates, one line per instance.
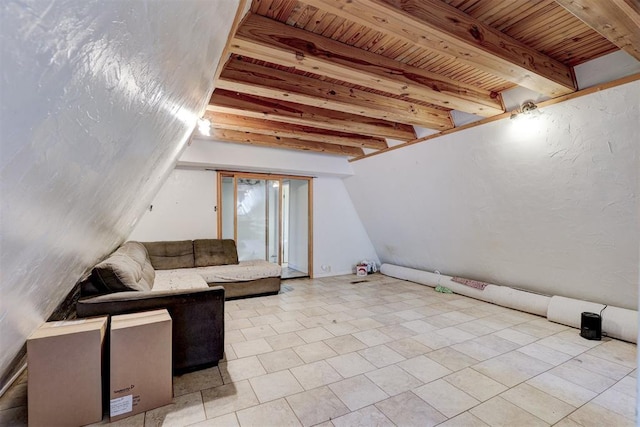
(208, 252)
(170, 255)
(127, 269)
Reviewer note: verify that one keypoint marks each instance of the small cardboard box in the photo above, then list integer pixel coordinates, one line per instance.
(141, 373)
(65, 372)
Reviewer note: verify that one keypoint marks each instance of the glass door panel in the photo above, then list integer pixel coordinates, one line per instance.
(228, 223)
(252, 218)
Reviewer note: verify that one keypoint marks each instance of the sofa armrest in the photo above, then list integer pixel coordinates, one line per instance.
(197, 320)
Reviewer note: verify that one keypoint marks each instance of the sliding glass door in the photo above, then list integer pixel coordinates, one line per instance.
(268, 216)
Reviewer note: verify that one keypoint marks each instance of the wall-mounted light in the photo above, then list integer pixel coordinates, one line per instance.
(204, 127)
(528, 108)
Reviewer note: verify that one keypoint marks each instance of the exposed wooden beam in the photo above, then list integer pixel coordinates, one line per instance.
(288, 130)
(437, 26)
(278, 142)
(243, 8)
(223, 101)
(271, 83)
(271, 41)
(616, 20)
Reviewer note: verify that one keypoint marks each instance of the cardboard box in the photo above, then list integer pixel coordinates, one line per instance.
(65, 372)
(141, 371)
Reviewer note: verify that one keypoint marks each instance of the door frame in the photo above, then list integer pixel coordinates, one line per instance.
(265, 176)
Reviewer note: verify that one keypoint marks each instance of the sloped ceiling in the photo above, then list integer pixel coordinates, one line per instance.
(343, 76)
(98, 100)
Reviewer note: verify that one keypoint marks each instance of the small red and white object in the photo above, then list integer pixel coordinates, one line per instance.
(362, 269)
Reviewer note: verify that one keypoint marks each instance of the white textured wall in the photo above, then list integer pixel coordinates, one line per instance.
(98, 99)
(551, 208)
(340, 240)
(183, 209)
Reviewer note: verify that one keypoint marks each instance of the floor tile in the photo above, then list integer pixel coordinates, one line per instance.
(341, 328)
(229, 420)
(196, 381)
(476, 350)
(316, 374)
(279, 360)
(279, 342)
(446, 398)
(407, 409)
(475, 384)
(583, 377)
(544, 353)
(515, 336)
(258, 332)
(316, 406)
(233, 336)
(183, 410)
(274, 386)
(498, 412)
(372, 337)
(424, 369)
(538, 403)
(228, 398)
(563, 345)
(512, 368)
(393, 380)
(419, 326)
(616, 351)
(593, 414)
(350, 365)
(314, 334)
(288, 326)
(600, 366)
(345, 344)
(358, 392)
(451, 359)
(627, 385)
(278, 412)
(365, 417)
(366, 323)
(265, 319)
(381, 356)
(314, 352)
(466, 419)
(617, 402)
(251, 348)
(408, 347)
(397, 331)
(241, 369)
(562, 389)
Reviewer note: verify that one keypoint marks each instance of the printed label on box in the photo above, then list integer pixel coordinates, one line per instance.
(121, 405)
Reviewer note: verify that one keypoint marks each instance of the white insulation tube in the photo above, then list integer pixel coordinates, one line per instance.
(617, 322)
(501, 295)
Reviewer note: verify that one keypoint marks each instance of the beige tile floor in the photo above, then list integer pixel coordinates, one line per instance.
(385, 352)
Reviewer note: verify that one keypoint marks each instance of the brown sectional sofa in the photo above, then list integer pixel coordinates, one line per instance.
(191, 279)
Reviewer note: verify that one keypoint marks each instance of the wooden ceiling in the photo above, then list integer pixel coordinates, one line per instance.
(339, 76)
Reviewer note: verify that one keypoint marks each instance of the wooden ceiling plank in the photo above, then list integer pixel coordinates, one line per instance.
(270, 83)
(616, 20)
(288, 130)
(237, 137)
(265, 39)
(437, 26)
(223, 101)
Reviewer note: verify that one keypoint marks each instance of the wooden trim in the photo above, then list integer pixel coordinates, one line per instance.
(310, 232)
(437, 26)
(271, 41)
(219, 205)
(588, 91)
(259, 175)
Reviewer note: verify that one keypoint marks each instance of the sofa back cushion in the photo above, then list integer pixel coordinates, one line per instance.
(170, 255)
(208, 252)
(127, 269)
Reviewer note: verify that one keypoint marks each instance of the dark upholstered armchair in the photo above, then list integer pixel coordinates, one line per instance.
(197, 318)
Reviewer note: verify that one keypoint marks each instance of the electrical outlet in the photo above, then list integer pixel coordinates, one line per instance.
(326, 268)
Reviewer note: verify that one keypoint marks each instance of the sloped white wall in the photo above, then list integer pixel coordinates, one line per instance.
(552, 207)
(183, 209)
(98, 100)
(340, 240)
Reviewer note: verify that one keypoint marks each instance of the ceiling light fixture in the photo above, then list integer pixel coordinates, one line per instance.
(204, 127)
